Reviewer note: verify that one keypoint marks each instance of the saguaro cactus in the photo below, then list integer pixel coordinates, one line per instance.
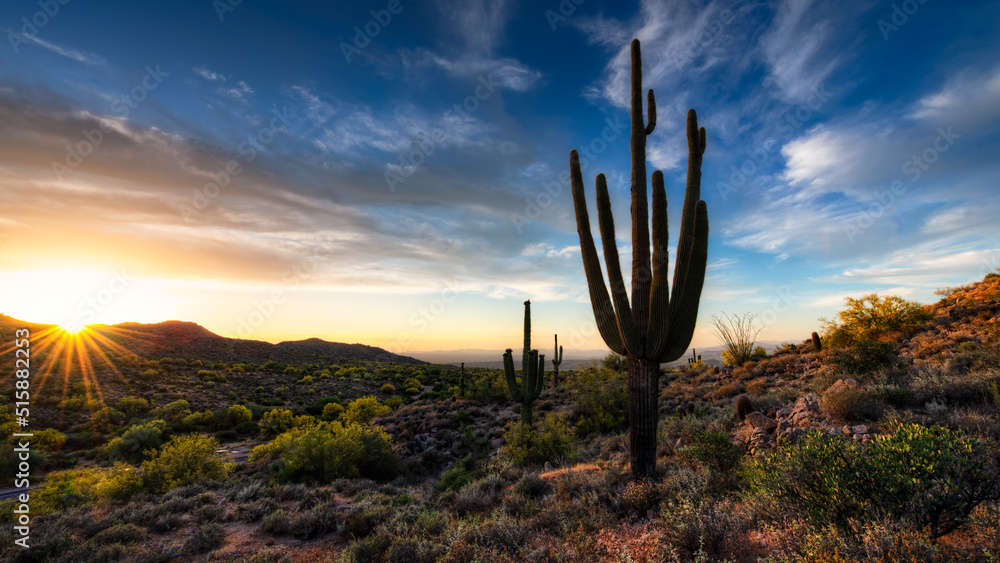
(817, 343)
(532, 371)
(657, 326)
(556, 360)
(461, 381)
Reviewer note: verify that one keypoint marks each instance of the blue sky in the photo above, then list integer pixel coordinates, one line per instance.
(389, 172)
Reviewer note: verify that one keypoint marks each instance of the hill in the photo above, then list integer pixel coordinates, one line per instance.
(180, 339)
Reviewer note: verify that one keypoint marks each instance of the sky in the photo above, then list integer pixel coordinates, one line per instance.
(388, 172)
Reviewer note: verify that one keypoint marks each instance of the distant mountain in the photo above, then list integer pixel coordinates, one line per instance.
(180, 339)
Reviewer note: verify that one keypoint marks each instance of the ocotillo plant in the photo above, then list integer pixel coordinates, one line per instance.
(532, 371)
(657, 326)
(556, 360)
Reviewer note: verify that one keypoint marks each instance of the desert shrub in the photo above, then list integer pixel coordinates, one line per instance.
(119, 482)
(550, 440)
(175, 411)
(306, 380)
(864, 357)
(895, 396)
(275, 523)
(532, 486)
(328, 451)
(205, 538)
(275, 422)
(706, 530)
(601, 400)
(388, 389)
(453, 479)
(120, 533)
(870, 317)
(332, 411)
(489, 385)
(255, 510)
(714, 450)
(108, 417)
(238, 414)
(211, 375)
(205, 418)
(851, 403)
(363, 409)
(62, 490)
(137, 440)
(132, 406)
(314, 522)
(185, 460)
(640, 495)
(932, 476)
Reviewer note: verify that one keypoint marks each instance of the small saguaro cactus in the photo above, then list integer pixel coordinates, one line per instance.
(817, 344)
(556, 360)
(743, 407)
(532, 371)
(694, 360)
(461, 381)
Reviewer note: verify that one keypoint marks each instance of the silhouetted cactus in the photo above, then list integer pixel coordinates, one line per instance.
(743, 407)
(461, 381)
(532, 371)
(558, 353)
(695, 360)
(657, 326)
(817, 344)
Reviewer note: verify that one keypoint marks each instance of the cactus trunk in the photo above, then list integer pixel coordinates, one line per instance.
(643, 395)
(532, 371)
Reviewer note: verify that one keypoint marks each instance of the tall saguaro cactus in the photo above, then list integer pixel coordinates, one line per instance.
(556, 360)
(657, 326)
(532, 371)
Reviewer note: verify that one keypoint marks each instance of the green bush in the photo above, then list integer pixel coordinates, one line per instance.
(600, 397)
(330, 450)
(238, 414)
(872, 316)
(933, 476)
(864, 357)
(363, 409)
(132, 406)
(275, 422)
(205, 538)
(490, 385)
(847, 403)
(551, 440)
(138, 439)
(452, 479)
(332, 411)
(388, 389)
(714, 450)
(175, 411)
(185, 460)
(275, 523)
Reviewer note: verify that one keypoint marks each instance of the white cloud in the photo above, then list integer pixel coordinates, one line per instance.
(208, 75)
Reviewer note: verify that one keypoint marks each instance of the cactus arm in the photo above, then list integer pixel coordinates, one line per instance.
(696, 148)
(539, 378)
(684, 310)
(623, 312)
(604, 313)
(508, 368)
(650, 112)
(641, 276)
(659, 298)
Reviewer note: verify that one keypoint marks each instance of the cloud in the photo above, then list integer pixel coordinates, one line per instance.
(209, 75)
(970, 98)
(74, 54)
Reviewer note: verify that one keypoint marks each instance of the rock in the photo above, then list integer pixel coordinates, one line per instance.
(846, 430)
(761, 422)
(547, 466)
(270, 541)
(859, 429)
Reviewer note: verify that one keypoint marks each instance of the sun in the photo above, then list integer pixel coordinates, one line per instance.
(72, 329)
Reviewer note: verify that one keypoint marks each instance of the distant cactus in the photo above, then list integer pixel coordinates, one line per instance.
(532, 371)
(816, 342)
(743, 407)
(695, 360)
(461, 381)
(558, 353)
